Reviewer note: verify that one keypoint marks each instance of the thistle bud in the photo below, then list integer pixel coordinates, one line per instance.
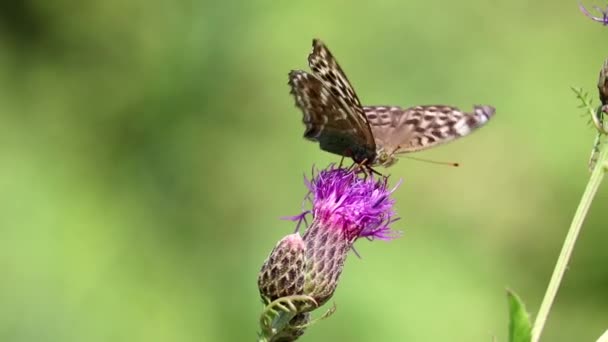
(282, 273)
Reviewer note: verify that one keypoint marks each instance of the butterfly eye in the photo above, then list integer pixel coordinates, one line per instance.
(383, 157)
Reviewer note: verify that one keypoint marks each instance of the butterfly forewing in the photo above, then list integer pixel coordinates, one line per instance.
(332, 112)
(399, 130)
(326, 67)
(329, 120)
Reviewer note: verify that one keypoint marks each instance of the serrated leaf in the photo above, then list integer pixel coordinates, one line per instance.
(520, 329)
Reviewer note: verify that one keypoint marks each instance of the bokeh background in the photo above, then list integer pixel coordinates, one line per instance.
(148, 149)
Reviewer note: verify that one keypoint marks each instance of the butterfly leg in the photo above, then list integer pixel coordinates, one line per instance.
(365, 168)
(374, 171)
(352, 167)
(341, 161)
(359, 167)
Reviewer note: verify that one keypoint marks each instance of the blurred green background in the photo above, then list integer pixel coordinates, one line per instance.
(148, 149)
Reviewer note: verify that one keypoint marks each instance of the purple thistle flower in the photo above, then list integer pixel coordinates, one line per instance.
(345, 207)
(357, 207)
(300, 275)
(603, 19)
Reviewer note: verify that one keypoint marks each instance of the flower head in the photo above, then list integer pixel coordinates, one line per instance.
(345, 206)
(357, 206)
(603, 19)
(302, 273)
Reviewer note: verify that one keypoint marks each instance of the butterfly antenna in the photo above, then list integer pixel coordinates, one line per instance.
(433, 161)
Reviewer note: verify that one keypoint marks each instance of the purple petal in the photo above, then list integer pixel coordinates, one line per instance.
(358, 206)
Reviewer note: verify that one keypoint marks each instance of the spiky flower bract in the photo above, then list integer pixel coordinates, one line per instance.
(345, 207)
(282, 272)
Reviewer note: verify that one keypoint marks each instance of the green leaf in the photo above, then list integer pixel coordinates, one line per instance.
(520, 329)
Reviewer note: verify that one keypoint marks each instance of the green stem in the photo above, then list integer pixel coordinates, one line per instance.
(577, 222)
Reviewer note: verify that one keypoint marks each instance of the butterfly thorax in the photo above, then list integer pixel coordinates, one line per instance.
(361, 154)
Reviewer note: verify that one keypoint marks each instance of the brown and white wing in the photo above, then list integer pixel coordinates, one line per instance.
(336, 125)
(326, 68)
(399, 130)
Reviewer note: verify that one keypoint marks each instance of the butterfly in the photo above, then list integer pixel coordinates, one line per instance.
(370, 135)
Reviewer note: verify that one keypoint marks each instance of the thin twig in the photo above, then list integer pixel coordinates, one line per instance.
(575, 228)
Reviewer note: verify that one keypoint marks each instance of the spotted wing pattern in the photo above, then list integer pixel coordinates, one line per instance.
(326, 68)
(331, 110)
(397, 130)
(334, 117)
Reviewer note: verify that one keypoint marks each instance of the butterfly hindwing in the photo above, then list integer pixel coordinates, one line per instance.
(399, 130)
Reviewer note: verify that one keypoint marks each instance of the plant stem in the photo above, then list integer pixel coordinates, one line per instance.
(577, 222)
